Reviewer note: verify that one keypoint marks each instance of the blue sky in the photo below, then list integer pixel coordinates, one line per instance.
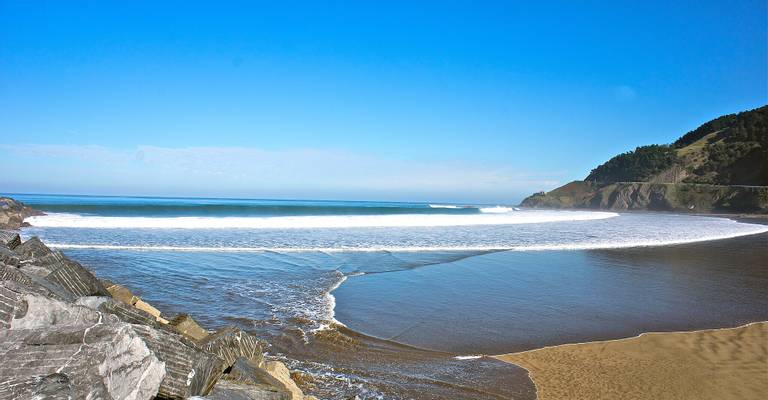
(434, 101)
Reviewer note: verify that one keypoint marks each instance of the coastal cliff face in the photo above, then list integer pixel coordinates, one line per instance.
(66, 334)
(681, 197)
(722, 166)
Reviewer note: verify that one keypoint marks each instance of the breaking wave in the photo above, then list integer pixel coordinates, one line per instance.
(489, 216)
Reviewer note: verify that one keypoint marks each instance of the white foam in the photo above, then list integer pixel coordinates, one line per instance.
(496, 210)
(745, 230)
(491, 216)
(475, 357)
(443, 206)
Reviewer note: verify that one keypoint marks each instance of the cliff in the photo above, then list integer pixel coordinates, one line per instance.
(721, 166)
(681, 197)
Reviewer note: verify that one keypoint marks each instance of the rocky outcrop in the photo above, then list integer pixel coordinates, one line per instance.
(64, 334)
(680, 197)
(13, 213)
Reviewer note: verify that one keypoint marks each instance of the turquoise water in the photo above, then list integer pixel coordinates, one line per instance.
(450, 279)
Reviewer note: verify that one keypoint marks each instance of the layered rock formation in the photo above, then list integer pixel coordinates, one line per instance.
(680, 197)
(66, 334)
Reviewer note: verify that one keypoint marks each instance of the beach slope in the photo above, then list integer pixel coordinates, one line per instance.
(708, 364)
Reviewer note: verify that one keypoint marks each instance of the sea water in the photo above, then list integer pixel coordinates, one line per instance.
(384, 300)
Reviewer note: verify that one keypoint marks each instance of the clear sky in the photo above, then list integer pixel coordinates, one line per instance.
(439, 101)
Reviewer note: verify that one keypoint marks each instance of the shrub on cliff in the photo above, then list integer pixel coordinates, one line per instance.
(635, 166)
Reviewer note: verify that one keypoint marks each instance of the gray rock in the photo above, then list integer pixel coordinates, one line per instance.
(77, 280)
(225, 390)
(129, 313)
(231, 343)
(92, 301)
(189, 371)
(9, 239)
(12, 213)
(8, 257)
(34, 311)
(33, 248)
(98, 361)
(9, 304)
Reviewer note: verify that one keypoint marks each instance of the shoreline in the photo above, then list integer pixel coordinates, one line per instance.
(463, 358)
(547, 366)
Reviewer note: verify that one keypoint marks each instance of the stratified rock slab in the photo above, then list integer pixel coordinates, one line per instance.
(230, 343)
(129, 313)
(225, 390)
(99, 361)
(188, 327)
(189, 371)
(77, 280)
(9, 239)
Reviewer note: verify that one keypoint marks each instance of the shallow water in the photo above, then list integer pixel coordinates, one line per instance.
(452, 280)
(513, 301)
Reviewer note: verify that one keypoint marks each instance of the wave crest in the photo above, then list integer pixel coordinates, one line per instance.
(492, 216)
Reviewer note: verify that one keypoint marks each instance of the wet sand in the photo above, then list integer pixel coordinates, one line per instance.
(716, 364)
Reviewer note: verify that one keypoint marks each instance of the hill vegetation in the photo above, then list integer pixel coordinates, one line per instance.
(720, 166)
(729, 150)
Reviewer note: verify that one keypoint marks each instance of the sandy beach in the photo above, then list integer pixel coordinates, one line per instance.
(706, 364)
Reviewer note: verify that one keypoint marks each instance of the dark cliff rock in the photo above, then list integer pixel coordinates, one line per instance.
(680, 197)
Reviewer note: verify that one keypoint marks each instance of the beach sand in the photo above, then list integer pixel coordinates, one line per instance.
(708, 364)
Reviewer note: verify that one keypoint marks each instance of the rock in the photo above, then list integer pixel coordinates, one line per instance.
(124, 295)
(225, 390)
(33, 311)
(247, 372)
(98, 361)
(230, 343)
(77, 280)
(8, 257)
(33, 248)
(121, 293)
(9, 303)
(147, 308)
(55, 386)
(128, 313)
(92, 301)
(9, 239)
(190, 372)
(13, 213)
(188, 327)
(281, 373)
(13, 274)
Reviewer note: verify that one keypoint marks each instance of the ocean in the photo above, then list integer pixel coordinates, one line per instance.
(387, 300)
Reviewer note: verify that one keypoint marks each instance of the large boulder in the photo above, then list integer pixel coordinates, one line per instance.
(98, 361)
(39, 260)
(188, 327)
(77, 280)
(30, 310)
(231, 343)
(13, 213)
(226, 390)
(190, 371)
(8, 257)
(280, 372)
(129, 313)
(9, 239)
